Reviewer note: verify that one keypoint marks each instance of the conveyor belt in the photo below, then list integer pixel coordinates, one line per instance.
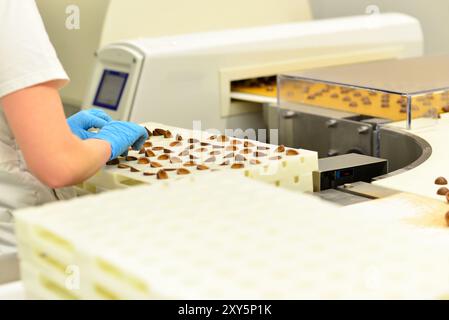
(356, 101)
(420, 180)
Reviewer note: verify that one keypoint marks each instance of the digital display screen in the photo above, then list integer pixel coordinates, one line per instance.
(110, 90)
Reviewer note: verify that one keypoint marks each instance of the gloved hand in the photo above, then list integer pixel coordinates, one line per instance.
(121, 135)
(82, 121)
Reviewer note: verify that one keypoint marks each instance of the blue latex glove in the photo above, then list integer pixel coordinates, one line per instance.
(82, 121)
(121, 135)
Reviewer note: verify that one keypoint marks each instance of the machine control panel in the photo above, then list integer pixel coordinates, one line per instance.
(110, 89)
(337, 171)
(114, 81)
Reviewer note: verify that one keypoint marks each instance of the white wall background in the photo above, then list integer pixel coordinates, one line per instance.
(433, 15)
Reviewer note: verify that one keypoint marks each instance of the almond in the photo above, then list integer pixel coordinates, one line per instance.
(163, 157)
(149, 153)
(182, 171)
(237, 166)
(113, 162)
(292, 152)
(162, 175)
(143, 160)
(190, 164)
(158, 132)
(280, 148)
(155, 164)
(168, 134)
(175, 144)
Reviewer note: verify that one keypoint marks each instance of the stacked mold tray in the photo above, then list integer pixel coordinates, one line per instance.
(225, 237)
(174, 153)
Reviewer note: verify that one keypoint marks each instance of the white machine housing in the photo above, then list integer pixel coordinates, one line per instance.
(180, 79)
(107, 21)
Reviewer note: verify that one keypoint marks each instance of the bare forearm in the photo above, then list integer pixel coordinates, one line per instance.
(53, 154)
(75, 162)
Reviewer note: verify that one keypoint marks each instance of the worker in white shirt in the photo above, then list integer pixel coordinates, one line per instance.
(40, 151)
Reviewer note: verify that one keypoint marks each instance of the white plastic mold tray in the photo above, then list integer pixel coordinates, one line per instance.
(200, 153)
(221, 237)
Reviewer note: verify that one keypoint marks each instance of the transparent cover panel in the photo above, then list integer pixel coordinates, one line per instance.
(396, 90)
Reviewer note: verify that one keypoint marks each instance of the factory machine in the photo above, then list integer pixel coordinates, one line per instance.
(227, 80)
(197, 76)
(353, 91)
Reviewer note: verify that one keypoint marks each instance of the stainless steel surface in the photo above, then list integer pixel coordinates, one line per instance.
(355, 193)
(404, 76)
(340, 198)
(336, 136)
(271, 118)
(403, 150)
(367, 190)
(324, 134)
(347, 161)
(316, 110)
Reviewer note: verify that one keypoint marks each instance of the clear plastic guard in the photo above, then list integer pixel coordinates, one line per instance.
(406, 93)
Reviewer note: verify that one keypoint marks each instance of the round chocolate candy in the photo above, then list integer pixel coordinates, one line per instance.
(441, 181)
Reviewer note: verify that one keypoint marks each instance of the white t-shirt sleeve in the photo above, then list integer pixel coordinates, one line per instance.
(27, 56)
